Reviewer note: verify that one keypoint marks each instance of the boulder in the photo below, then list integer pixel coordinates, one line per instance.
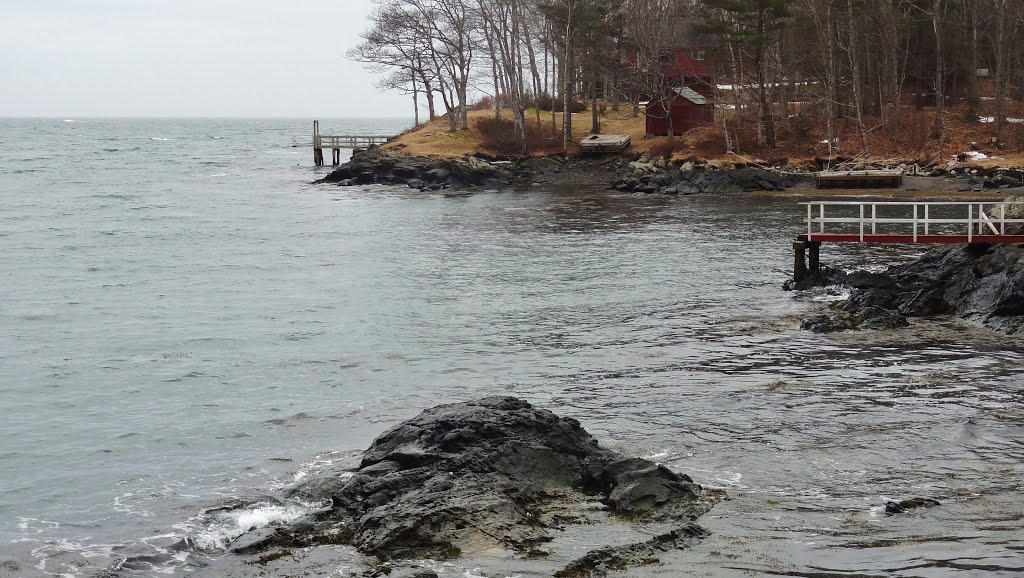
(877, 318)
(490, 473)
(827, 323)
(438, 175)
(642, 167)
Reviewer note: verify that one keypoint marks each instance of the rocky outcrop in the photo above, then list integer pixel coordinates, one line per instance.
(982, 282)
(485, 474)
(658, 176)
(376, 166)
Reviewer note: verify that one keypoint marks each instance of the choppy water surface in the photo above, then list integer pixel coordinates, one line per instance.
(187, 321)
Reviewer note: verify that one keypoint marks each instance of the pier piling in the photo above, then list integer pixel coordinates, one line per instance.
(814, 257)
(799, 260)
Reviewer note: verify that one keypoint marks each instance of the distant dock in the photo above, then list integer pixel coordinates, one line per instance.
(858, 179)
(337, 142)
(604, 143)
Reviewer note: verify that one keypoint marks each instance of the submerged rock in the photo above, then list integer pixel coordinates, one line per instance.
(827, 323)
(618, 558)
(485, 474)
(892, 508)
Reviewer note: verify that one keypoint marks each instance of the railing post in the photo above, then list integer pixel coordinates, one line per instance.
(822, 214)
(862, 223)
(1002, 218)
(809, 219)
(874, 218)
(915, 222)
(970, 222)
(927, 218)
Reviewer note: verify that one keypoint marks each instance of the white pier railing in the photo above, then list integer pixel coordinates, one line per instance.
(911, 222)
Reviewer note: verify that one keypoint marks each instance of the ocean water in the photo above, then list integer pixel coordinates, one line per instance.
(187, 321)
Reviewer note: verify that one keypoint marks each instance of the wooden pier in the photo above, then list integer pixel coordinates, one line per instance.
(858, 179)
(338, 142)
(603, 143)
(901, 222)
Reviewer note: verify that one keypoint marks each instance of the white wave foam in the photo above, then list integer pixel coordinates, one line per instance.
(158, 138)
(56, 549)
(36, 525)
(226, 526)
(69, 120)
(832, 293)
(318, 464)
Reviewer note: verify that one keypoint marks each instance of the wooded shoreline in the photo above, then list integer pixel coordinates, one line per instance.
(869, 78)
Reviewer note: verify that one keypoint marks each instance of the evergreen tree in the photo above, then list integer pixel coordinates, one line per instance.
(751, 26)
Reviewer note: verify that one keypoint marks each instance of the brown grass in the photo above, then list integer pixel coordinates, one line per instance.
(799, 138)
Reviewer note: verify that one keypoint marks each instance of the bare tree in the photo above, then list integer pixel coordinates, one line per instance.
(395, 47)
(651, 37)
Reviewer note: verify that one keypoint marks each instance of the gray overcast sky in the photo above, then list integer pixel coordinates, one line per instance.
(69, 58)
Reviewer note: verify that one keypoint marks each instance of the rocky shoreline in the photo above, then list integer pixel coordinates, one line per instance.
(636, 174)
(622, 173)
(978, 282)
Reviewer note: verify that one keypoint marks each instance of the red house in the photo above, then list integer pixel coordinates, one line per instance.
(687, 73)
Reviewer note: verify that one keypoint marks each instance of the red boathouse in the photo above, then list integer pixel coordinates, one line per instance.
(690, 109)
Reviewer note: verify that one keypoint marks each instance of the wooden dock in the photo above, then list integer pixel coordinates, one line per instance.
(902, 222)
(337, 142)
(604, 143)
(858, 179)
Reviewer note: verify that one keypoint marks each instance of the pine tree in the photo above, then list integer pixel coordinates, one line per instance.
(751, 26)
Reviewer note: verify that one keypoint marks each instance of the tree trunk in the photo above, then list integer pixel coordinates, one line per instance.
(972, 74)
(858, 96)
(431, 111)
(1002, 65)
(415, 98)
(767, 122)
(493, 53)
(533, 64)
(555, 78)
(566, 93)
(595, 122)
(940, 73)
(830, 78)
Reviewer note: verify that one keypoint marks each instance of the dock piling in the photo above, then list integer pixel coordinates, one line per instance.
(814, 257)
(799, 260)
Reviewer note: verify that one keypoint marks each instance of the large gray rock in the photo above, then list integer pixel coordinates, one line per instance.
(494, 472)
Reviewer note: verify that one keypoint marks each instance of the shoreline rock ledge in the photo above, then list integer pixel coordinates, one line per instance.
(979, 282)
(495, 477)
